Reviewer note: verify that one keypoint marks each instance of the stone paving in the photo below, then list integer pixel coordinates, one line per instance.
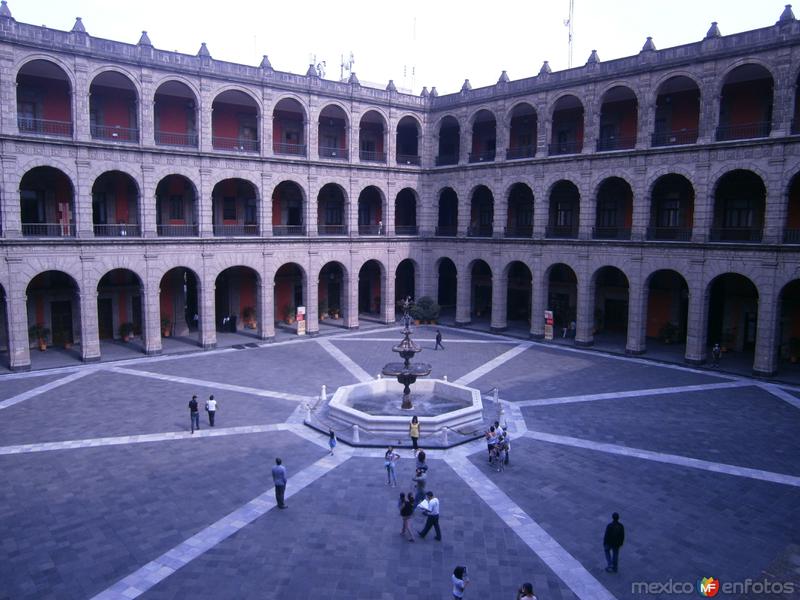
(106, 493)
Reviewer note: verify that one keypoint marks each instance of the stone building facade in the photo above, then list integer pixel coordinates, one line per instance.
(654, 197)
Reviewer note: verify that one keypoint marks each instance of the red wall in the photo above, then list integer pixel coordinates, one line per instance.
(116, 105)
(247, 292)
(685, 111)
(122, 201)
(747, 102)
(793, 216)
(177, 186)
(56, 98)
(284, 295)
(659, 304)
(225, 121)
(172, 114)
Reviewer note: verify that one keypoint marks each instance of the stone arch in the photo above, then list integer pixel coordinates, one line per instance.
(372, 286)
(116, 205)
(53, 302)
(333, 280)
(739, 213)
(47, 200)
(237, 291)
(119, 304)
(560, 285)
(731, 303)
(290, 291)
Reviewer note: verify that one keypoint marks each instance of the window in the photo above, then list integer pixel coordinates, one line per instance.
(607, 213)
(99, 212)
(176, 207)
(32, 206)
(563, 214)
(229, 208)
(250, 212)
(333, 213)
(669, 213)
(738, 213)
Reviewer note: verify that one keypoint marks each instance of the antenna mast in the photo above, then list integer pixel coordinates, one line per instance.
(568, 23)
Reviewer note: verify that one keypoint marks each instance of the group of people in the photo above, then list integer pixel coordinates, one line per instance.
(194, 412)
(460, 582)
(498, 445)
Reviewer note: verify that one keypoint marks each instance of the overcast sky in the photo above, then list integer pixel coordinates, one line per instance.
(443, 41)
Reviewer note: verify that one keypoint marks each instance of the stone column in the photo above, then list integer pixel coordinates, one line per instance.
(584, 334)
(82, 202)
(500, 212)
(709, 110)
(765, 363)
(641, 207)
(499, 318)
(266, 307)
(588, 211)
(147, 115)
(206, 302)
(204, 111)
(350, 307)
(463, 296)
(147, 203)
(388, 212)
(265, 212)
(464, 214)
(541, 212)
(775, 205)
(205, 218)
(703, 216)
(81, 97)
(388, 312)
(697, 321)
(90, 335)
(311, 296)
(351, 209)
(637, 317)
(538, 304)
(502, 130)
(10, 212)
(19, 354)
(151, 315)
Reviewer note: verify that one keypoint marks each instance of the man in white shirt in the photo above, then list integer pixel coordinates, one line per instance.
(211, 409)
(432, 513)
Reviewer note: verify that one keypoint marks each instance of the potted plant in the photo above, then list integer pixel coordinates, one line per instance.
(290, 311)
(39, 333)
(126, 331)
(335, 312)
(249, 317)
(323, 310)
(166, 326)
(427, 310)
(668, 333)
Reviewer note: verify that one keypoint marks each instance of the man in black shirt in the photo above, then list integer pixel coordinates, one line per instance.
(612, 542)
(194, 414)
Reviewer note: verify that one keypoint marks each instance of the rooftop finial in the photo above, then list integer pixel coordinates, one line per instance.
(787, 16)
(203, 52)
(503, 78)
(391, 87)
(312, 71)
(265, 64)
(5, 12)
(593, 58)
(145, 40)
(649, 46)
(545, 68)
(713, 31)
(467, 86)
(425, 93)
(353, 80)
(434, 92)
(78, 27)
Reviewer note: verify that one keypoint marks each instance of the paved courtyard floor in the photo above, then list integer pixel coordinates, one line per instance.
(106, 493)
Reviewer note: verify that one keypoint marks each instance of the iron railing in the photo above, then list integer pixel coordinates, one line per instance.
(168, 138)
(117, 230)
(115, 133)
(335, 153)
(484, 156)
(521, 152)
(744, 131)
(235, 230)
(292, 149)
(406, 230)
(408, 159)
(572, 147)
(372, 156)
(235, 144)
(611, 233)
(561, 232)
(44, 126)
(183, 230)
(285, 230)
(616, 143)
(446, 159)
(791, 236)
(479, 231)
(323, 229)
(371, 229)
(446, 230)
(674, 138)
(669, 234)
(518, 231)
(736, 234)
(48, 229)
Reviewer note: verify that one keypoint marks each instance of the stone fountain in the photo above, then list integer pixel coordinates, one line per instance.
(406, 372)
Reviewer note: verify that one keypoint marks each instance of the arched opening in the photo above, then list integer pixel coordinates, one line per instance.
(789, 326)
(333, 133)
(564, 210)
(47, 203)
(4, 350)
(289, 284)
(287, 209)
(518, 303)
(567, 136)
(733, 315)
(44, 99)
(178, 299)
(745, 106)
(447, 285)
(449, 142)
(614, 210)
(447, 220)
(113, 106)
(176, 207)
(288, 128)
(234, 208)
(667, 309)
(522, 132)
(677, 118)
(234, 122)
(370, 300)
(119, 308)
(332, 288)
(562, 299)
(405, 280)
(739, 204)
(481, 218)
(520, 212)
(791, 233)
(331, 211)
(236, 292)
(175, 115)
(372, 138)
(115, 205)
(370, 212)
(610, 306)
(480, 290)
(408, 132)
(484, 137)
(405, 213)
(54, 312)
(618, 120)
(671, 209)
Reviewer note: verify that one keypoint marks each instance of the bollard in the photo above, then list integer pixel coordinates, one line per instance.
(356, 438)
(379, 376)
(323, 395)
(496, 395)
(445, 377)
(308, 413)
(446, 439)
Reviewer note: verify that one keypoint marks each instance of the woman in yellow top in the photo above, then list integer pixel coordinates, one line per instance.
(413, 431)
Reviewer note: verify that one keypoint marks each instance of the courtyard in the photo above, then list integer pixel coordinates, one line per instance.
(107, 494)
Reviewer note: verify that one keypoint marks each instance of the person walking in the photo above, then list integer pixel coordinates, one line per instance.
(460, 582)
(406, 511)
(421, 464)
(414, 431)
(211, 409)
(431, 511)
(612, 542)
(438, 340)
(389, 460)
(421, 480)
(525, 592)
(279, 478)
(194, 414)
(331, 440)
(716, 353)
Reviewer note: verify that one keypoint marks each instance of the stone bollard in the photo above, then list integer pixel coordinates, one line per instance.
(308, 413)
(323, 395)
(379, 376)
(446, 438)
(356, 438)
(496, 395)
(445, 377)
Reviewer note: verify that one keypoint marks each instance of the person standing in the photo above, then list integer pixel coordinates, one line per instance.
(431, 511)
(211, 409)
(438, 340)
(331, 440)
(406, 511)
(421, 480)
(460, 582)
(716, 352)
(612, 542)
(389, 460)
(414, 431)
(194, 414)
(279, 478)
(525, 591)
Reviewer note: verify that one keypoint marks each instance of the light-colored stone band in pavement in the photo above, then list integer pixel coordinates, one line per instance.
(492, 364)
(562, 563)
(213, 384)
(344, 360)
(672, 459)
(395, 340)
(45, 388)
(782, 394)
(635, 393)
(141, 580)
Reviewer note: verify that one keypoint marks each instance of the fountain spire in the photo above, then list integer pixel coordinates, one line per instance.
(406, 372)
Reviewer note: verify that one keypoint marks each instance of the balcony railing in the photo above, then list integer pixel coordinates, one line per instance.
(190, 230)
(406, 230)
(446, 231)
(285, 230)
(611, 233)
(371, 229)
(446, 159)
(168, 138)
(736, 234)
(520, 152)
(372, 156)
(674, 138)
(235, 230)
(791, 236)
(117, 230)
(44, 126)
(573, 147)
(323, 229)
(560, 232)
(335, 153)
(115, 133)
(615, 143)
(479, 231)
(235, 144)
(518, 231)
(408, 159)
(669, 234)
(742, 132)
(292, 149)
(48, 229)
(485, 156)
